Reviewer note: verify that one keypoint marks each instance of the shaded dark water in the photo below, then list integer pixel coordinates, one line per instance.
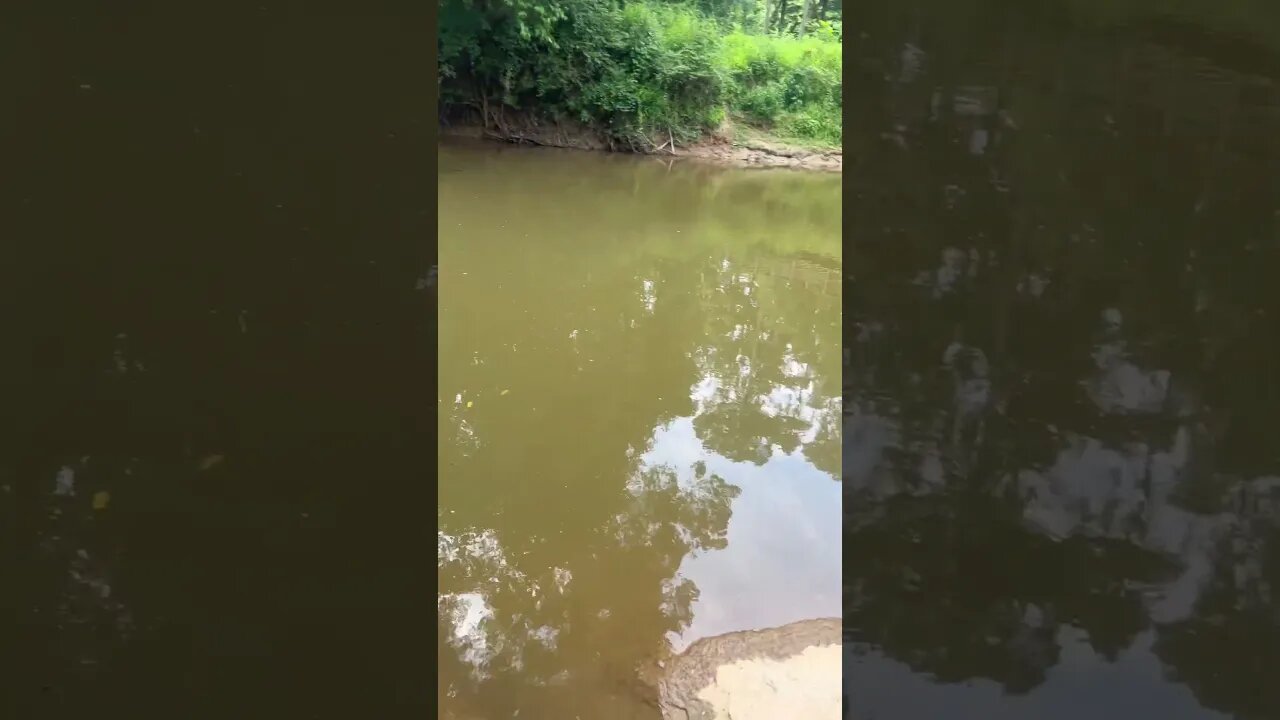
(1062, 329)
(1062, 480)
(215, 458)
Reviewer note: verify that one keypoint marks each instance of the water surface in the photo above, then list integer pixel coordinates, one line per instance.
(1061, 326)
(639, 419)
(213, 479)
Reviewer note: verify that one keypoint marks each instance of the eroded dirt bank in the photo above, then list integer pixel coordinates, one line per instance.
(725, 148)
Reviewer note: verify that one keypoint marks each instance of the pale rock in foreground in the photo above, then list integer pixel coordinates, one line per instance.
(793, 671)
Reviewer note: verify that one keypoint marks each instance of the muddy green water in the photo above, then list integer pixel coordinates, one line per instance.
(639, 405)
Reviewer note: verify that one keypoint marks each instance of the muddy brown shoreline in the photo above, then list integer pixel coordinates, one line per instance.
(717, 150)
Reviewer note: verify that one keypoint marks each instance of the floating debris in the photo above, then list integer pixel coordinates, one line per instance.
(210, 462)
(65, 482)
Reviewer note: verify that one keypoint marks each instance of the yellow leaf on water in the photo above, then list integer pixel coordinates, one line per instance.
(468, 403)
(100, 500)
(504, 392)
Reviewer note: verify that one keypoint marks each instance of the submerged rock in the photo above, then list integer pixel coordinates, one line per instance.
(783, 672)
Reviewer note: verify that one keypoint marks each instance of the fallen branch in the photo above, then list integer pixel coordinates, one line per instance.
(515, 139)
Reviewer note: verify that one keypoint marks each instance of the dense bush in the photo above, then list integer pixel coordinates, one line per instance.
(792, 85)
(641, 71)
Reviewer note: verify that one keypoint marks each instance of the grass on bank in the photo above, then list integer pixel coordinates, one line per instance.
(643, 72)
(788, 86)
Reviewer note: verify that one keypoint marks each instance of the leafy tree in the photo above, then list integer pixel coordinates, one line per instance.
(644, 73)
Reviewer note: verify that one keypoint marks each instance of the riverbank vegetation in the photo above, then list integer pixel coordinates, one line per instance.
(647, 75)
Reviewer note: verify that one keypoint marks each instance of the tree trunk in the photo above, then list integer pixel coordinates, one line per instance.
(808, 15)
(780, 15)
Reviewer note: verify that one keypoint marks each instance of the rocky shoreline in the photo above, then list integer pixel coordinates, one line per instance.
(783, 672)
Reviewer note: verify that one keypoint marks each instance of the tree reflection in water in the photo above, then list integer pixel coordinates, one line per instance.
(671, 369)
(1058, 383)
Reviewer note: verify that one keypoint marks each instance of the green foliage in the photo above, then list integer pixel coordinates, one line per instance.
(818, 124)
(642, 71)
(787, 83)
